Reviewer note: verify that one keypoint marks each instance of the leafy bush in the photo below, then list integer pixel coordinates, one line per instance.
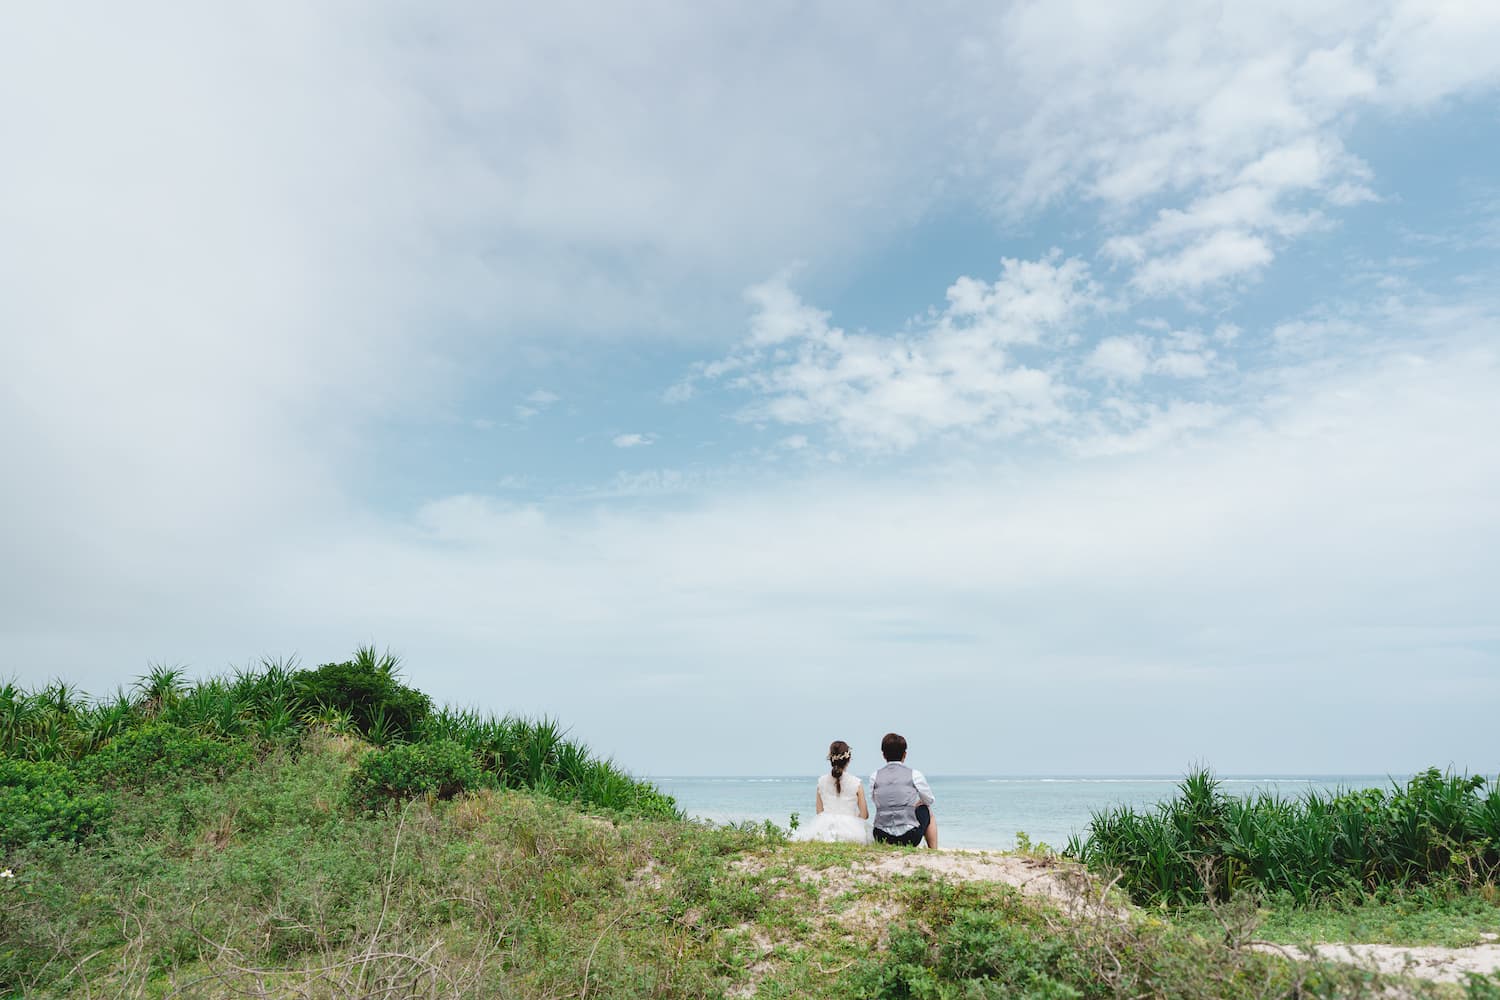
(40, 801)
(160, 753)
(981, 954)
(1436, 828)
(440, 768)
(535, 754)
(170, 729)
(367, 689)
(968, 943)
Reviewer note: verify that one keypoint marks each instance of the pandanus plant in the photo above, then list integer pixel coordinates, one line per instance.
(1434, 827)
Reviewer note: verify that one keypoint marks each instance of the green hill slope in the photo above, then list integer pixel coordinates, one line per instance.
(329, 833)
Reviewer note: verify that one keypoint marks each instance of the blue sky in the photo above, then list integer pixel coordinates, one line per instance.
(1071, 386)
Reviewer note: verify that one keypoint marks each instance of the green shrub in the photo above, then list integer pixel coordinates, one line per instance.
(160, 753)
(367, 689)
(440, 768)
(981, 954)
(1434, 829)
(535, 754)
(40, 801)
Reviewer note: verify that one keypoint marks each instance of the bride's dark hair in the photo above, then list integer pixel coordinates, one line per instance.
(838, 757)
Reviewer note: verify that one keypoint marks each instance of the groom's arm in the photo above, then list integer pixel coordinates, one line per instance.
(924, 790)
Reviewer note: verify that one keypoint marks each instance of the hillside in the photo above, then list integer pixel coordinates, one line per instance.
(272, 852)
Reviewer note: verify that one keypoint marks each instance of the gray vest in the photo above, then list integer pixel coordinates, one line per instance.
(896, 798)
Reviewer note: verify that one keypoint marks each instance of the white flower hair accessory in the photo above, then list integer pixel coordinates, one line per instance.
(835, 758)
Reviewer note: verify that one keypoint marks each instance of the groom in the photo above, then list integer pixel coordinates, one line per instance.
(902, 799)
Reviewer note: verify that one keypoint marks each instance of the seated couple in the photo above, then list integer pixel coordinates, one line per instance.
(900, 795)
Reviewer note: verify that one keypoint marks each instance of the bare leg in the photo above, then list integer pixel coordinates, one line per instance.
(931, 834)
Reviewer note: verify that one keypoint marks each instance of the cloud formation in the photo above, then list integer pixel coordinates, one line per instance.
(962, 368)
(1238, 565)
(249, 256)
(1235, 118)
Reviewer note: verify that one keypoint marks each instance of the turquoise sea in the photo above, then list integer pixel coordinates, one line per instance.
(986, 812)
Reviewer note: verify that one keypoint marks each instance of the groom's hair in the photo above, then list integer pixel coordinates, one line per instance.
(893, 746)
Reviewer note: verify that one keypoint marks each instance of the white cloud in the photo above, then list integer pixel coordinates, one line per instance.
(1123, 358)
(957, 371)
(1224, 254)
(1276, 542)
(1177, 353)
(1235, 119)
(1314, 334)
(633, 440)
(535, 402)
(1151, 426)
(214, 297)
(1226, 234)
(1431, 50)
(1184, 364)
(1330, 78)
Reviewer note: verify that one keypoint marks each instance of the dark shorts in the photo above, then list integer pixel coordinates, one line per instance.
(912, 837)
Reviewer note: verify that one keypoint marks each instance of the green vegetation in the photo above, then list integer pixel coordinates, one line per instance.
(40, 801)
(365, 690)
(264, 883)
(167, 730)
(967, 942)
(1438, 830)
(282, 833)
(159, 753)
(440, 769)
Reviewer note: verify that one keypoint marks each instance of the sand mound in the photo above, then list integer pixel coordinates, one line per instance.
(1062, 882)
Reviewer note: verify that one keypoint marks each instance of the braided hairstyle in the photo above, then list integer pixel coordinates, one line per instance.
(838, 759)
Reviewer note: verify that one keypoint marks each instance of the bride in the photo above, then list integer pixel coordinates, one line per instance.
(840, 803)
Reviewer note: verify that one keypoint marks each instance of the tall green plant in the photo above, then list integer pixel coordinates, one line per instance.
(1436, 827)
(369, 690)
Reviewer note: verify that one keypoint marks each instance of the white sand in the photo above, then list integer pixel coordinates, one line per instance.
(1440, 965)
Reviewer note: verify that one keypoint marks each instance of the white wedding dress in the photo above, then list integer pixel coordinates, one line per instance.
(839, 821)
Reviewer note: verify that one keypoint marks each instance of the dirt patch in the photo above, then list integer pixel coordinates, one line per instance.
(1065, 883)
(758, 969)
(648, 876)
(1056, 880)
(1061, 882)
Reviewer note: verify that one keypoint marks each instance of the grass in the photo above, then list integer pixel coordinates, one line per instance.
(263, 882)
(205, 839)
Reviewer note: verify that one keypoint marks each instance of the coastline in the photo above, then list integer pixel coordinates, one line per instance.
(982, 812)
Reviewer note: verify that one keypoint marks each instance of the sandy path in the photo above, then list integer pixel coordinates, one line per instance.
(1440, 965)
(1033, 877)
(1062, 882)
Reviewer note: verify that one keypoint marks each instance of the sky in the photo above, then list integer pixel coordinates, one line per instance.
(1073, 387)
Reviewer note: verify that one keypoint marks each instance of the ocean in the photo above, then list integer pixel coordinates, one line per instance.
(986, 812)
